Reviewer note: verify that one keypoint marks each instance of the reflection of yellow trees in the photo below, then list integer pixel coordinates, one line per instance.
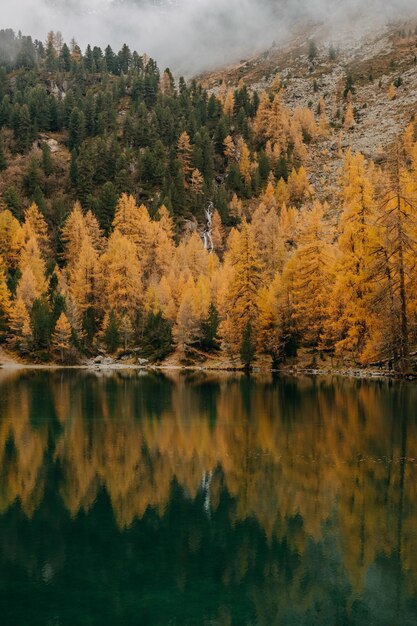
(319, 449)
(22, 449)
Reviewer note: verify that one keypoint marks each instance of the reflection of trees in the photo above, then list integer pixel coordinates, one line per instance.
(322, 467)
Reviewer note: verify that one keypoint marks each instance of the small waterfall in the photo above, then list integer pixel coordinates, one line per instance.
(207, 232)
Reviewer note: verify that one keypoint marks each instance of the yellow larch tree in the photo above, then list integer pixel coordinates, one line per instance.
(11, 239)
(299, 187)
(120, 277)
(20, 325)
(192, 256)
(304, 117)
(277, 129)
(35, 224)
(135, 224)
(229, 105)
(164, 241)
(394, 281)
(217, 232)
(94, 232)
(197, 183)
(5, 297)
(270, 243)
(73, 234)
(236, 207)
(282, 192)
(244, 160)
(83, 277)
(241, 305)
(32, 283)
(261, 121)
(269, 320)
(230, 149)
(351, 314)
(187, 327)
(165, 298)
(184, 153)
(61, 338)
(310, 271)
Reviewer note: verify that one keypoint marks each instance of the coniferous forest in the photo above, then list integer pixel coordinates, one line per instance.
(144, 216)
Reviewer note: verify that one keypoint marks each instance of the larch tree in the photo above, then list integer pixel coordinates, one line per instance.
(244, 161)
(269, 320)
(242, 298)
(11, 239)
(269, 239)
(134, 223)
(32, 283)
(350, 300)
(184, 153)
(35, 223)
(310, 271)
(299, 187)
(121, 277)
(217, 232)
(396, 249)
(73, 234)
(229, 105)
(5, 297)
(20, 325)
(188, 323)
(163, 242)
(83, 281)
(61, 338)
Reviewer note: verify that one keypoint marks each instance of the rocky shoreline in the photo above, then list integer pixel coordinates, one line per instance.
(103, 363)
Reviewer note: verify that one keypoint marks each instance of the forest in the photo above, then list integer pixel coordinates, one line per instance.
(146, 217)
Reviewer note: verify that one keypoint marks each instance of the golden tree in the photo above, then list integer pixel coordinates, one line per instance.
(241, 305)
(121, 277)
(35, 224)
(32, 283)
(351, 313)
(61, 337)
(20, 325)
(184, 153)
(5, 297)
(11, 238)
(73, 234)
(310, 272)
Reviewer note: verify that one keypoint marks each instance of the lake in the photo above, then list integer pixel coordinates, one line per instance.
(131, 498)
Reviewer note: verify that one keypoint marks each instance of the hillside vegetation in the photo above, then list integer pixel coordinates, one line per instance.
(263, 213)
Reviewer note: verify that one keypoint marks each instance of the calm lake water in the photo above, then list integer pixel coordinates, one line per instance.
(138, 499)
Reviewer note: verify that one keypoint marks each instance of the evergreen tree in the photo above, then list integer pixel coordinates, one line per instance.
(157, 337)
(209, 329)
(247, 347)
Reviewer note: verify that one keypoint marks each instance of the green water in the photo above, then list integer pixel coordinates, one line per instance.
(137, 499)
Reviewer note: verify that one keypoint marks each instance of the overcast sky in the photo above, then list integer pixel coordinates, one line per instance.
(195, 34)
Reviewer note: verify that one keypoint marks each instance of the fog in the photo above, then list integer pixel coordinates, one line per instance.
(193, 35)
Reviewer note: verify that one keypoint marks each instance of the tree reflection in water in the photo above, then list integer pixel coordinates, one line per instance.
(130, 498)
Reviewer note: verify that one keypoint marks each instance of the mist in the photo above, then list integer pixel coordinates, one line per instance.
(193, 35)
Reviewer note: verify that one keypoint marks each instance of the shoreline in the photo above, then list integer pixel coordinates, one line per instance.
(365, 374)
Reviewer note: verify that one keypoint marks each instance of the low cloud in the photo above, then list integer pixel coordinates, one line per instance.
(192, 35)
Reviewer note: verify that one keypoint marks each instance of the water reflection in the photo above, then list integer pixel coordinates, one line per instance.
(207, 500)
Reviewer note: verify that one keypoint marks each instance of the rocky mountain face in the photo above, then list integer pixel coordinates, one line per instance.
(378, 67)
